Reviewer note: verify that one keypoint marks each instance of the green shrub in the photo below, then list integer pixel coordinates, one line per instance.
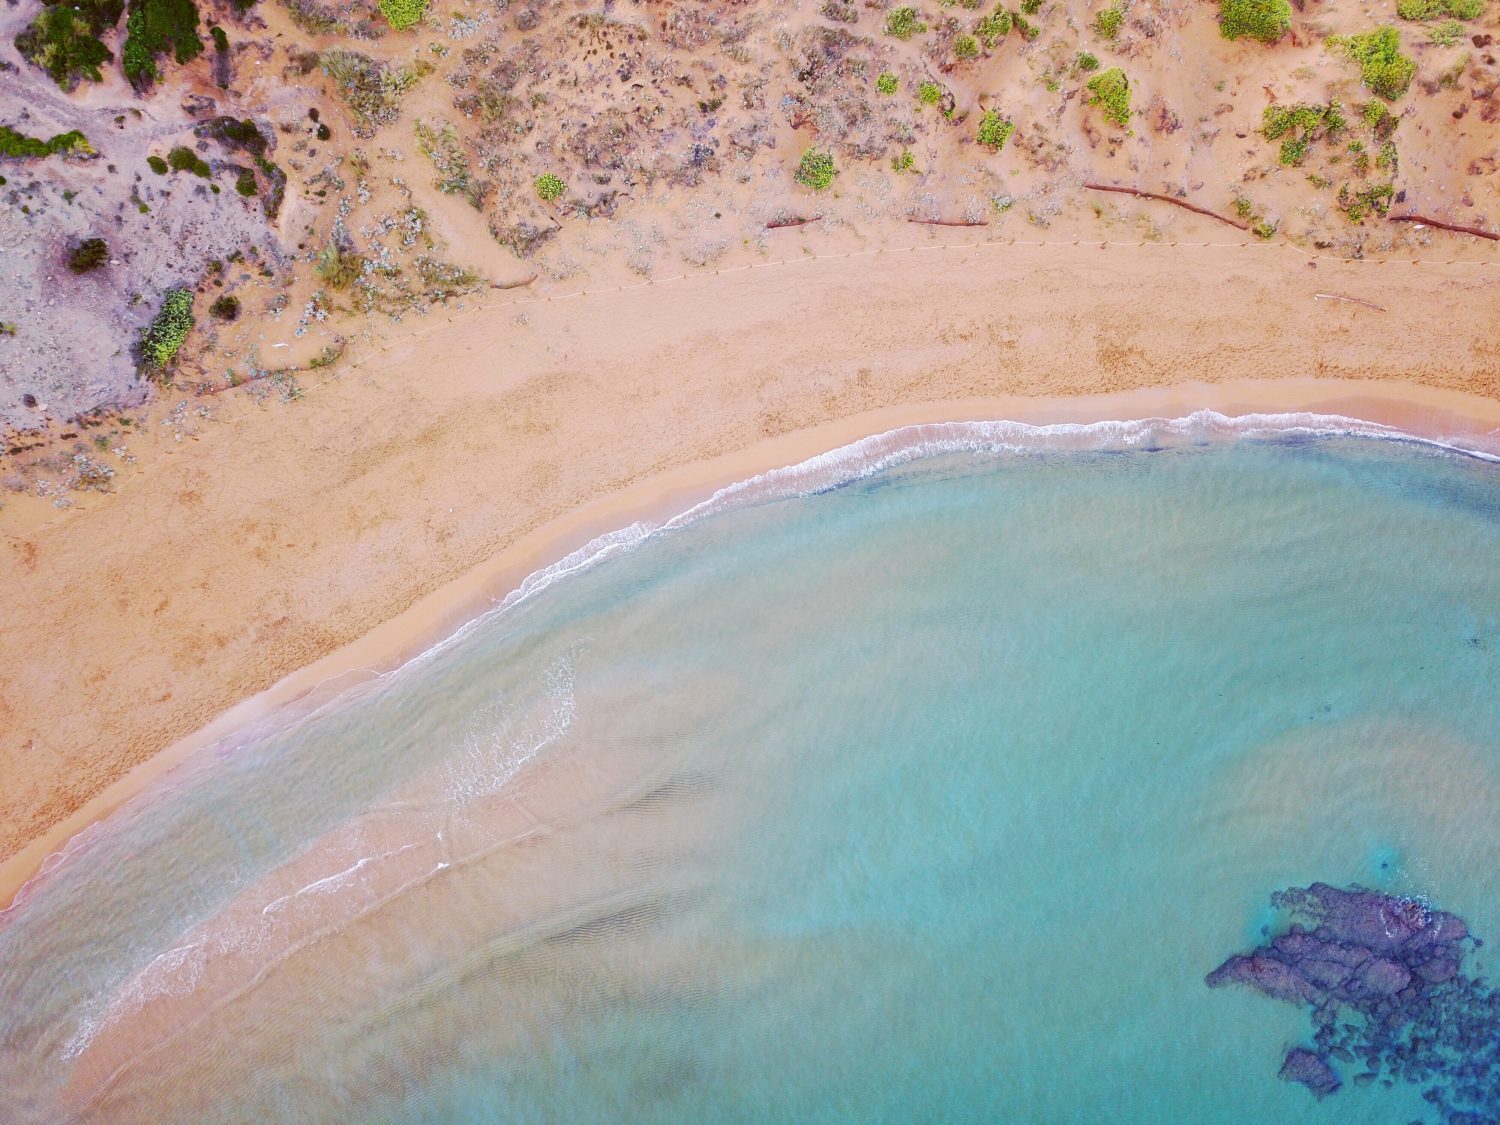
(1383, 68)
(226, 307)
(1437, 9)
(401, 14)
(184, 159)
(339, 266)
(64, 41)
(1265, 20)
(244, 183)
(1028, 31)
(1447, 33)
(966, 47)
(815, 170)
(1086, 62)
(1388, 159)
(929, 93)
(220, 38)
(157, 165)
(166, 334)
(1110, 91)
(1032, 7)
(1375, 199)
(993, 27)
(994, 130)
(550, 187)
(887, 83)
(903, 163)
(903, 23)
(88, 255)
(17, 144)
(153, 28)
(1107, 23)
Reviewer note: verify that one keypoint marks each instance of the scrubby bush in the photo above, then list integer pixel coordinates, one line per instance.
(244, 183)
(1265, 20)
(903, 23)
(226, 307)
(17, 144)
(157, 165)
(929, 93)
(1297, 126)
(184, 159)
(339, 266)
(1383, 68)
(153, 28)
(1437, 9)
(993, 27)
(88, 255)
(64, 41)
(887, 83)
(550, 187)
(166, 334)
(220, 38)
(966, 47)
(903, 163)
(1086, 61)
(1110, 91)
(1107, 23)
(401, 14)
(994, 130)
(816, 169)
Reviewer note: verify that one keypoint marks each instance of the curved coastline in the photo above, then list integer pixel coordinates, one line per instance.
(804, 462)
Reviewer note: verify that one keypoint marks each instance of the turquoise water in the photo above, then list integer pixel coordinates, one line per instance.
(930, 796)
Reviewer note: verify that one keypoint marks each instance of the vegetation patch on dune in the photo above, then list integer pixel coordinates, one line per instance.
(155, 28)
(166, 334)
(994, 130)
(1297, 126)
(1110, 91)
(1264, 20)
(401, 14)
(372, 90)
(816, 170)
(64, 40)
(1439, 9)
(19, 145)
(1382, 67)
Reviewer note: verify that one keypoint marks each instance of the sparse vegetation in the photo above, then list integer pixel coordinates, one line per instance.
(90, 254)
(816, 170)
(1086, 62)
(929, 93)
(887, 83)
(903, 23)
(64, 41)
(152, 29)
(1438, 9)
(166, 334)
(372, 90)
(1108, 22)
(1376, 200)
(1383, 68)
(441, 145)
(16, 144)
(1447, 33)
(1297, 126)
(965, 47)
(993, 27)
(244, 183)
(904, 162)
(550, 187)
(1110, 91)
(994, 130)
(226, 308)
(339, 266)
(1264, 20)
(401, 14)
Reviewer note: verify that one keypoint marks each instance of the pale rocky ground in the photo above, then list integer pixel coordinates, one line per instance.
(676, 128)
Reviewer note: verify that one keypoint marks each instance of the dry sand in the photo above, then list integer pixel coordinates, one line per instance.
(424, 479)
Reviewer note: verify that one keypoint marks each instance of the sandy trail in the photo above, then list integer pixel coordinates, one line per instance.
(512, 434)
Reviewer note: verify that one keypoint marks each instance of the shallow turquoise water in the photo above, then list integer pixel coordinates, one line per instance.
(933, 796)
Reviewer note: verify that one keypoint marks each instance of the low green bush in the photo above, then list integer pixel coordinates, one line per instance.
(401, 14)
(1383, 68)
(1265, 20)
(1107, 23)
(17, 144)
(1086, 62)
(966, 47)
(1110, 91)
(244, 183)
(550, 187)
(994, 130)
(152, 29)
(816, 169)
(903, 23)
(64, 41)
(157, 165)
(993, 27)
(90, 254)
(166, 334)
(184, 159)
(887, 83)
(929, 93)
(1438, 9)
(903, 163)
(226, 307)
(220, 38)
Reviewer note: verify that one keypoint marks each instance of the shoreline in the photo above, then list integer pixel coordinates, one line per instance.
(1464, 422)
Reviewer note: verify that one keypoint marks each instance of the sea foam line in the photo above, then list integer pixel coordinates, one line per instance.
(825, 471)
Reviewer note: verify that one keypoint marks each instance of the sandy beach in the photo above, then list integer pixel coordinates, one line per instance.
(390, 503)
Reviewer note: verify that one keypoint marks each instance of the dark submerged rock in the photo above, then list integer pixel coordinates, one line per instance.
(1310, 1069)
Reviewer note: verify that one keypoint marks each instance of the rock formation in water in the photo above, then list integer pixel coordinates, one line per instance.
(1383, 979)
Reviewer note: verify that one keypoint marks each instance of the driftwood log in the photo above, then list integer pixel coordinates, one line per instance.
(1457, 228)
(513, 284)
(946, 223)
(1173, 201)
(782, 224)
